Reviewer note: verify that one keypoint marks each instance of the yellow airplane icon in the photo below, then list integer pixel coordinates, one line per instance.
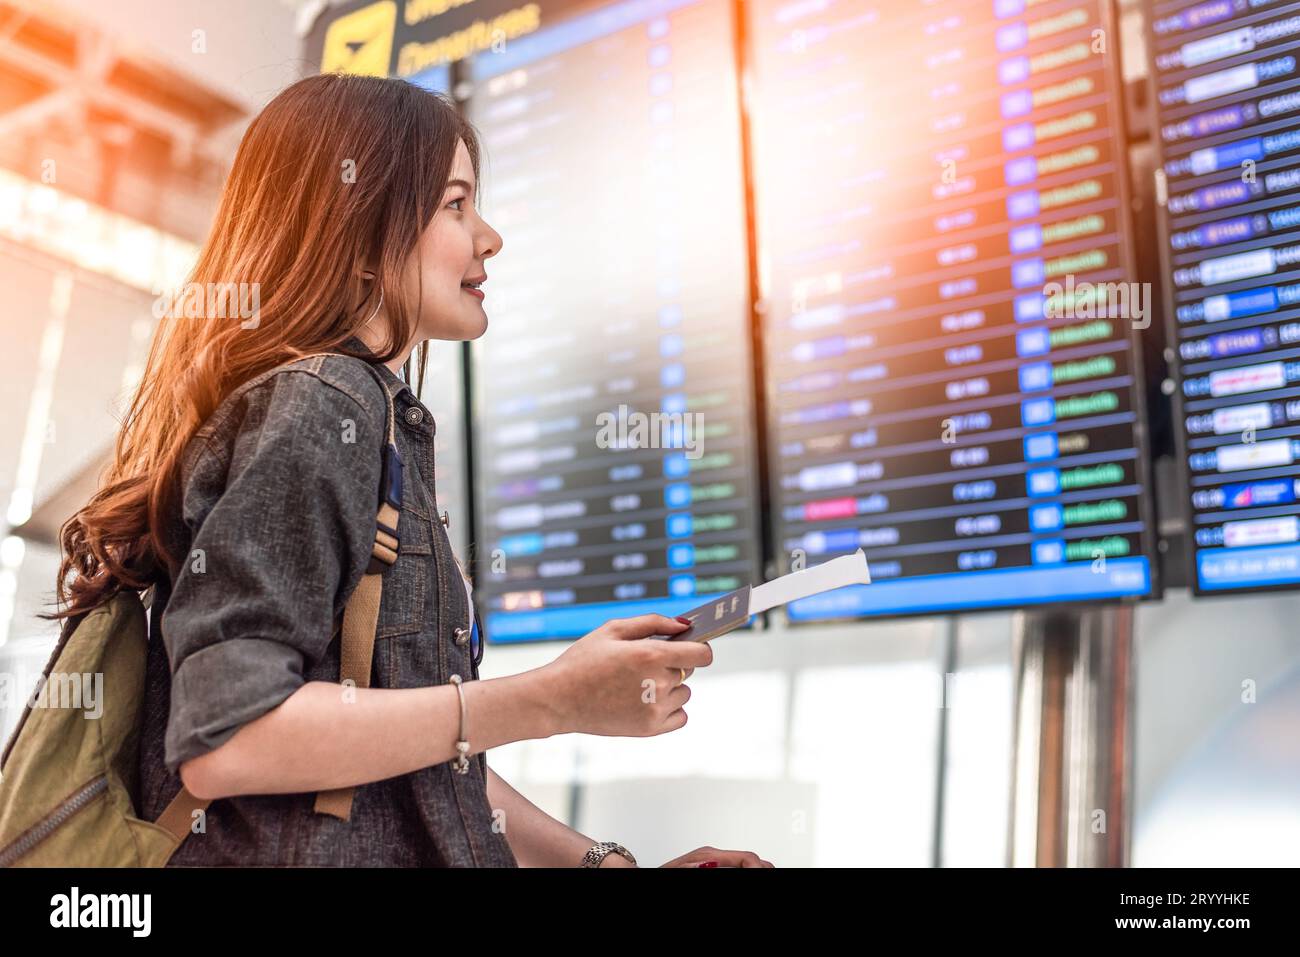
(362, 41)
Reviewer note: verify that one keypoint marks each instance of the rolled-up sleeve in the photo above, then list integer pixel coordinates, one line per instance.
(272, 559)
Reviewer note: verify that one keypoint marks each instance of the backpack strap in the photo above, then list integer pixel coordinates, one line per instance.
(360, 616)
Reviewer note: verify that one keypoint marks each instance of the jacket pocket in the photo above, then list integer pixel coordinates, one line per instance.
(403, 608)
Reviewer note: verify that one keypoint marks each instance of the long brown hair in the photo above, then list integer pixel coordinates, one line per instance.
(337, 176)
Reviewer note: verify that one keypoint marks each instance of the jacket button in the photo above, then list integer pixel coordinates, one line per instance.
(414, 415)
(462, 636)
(446, 520)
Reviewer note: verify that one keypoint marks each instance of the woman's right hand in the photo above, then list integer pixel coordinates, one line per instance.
(617, 681)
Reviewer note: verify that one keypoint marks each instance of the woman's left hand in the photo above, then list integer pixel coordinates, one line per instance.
(712, 857)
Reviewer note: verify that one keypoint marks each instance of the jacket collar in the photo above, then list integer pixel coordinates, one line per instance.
(404, 397)
(396, 384)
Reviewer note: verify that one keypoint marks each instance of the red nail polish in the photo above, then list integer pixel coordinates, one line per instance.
(709, 864)
(684, 621)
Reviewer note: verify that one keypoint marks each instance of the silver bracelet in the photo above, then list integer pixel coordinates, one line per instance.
(597, 853)
(461, 763)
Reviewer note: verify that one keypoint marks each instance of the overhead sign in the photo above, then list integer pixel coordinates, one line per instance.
(405, 37)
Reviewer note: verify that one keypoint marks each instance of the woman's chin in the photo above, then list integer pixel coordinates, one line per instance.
(460, 331)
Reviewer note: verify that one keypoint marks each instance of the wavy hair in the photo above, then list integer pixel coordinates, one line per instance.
(337, 177)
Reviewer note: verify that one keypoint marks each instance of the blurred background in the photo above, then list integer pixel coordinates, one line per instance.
(842, 742)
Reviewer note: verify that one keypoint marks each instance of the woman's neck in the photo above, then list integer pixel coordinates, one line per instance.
(373, 336)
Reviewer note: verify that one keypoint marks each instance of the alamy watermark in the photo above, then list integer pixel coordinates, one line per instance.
(129, 911)
(72, 690)
(628, 429)
(214, 300)
(1098, 300)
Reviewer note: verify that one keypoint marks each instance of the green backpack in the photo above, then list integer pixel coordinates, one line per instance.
(67, 779)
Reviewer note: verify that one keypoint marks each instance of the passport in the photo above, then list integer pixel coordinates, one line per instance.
(735, 608)
(717, 617)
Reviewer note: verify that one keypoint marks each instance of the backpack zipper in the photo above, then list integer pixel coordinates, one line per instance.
(41, 830)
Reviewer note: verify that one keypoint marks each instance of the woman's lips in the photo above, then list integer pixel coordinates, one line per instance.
(473, 292)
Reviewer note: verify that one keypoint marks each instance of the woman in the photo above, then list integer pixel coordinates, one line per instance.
(247, 500)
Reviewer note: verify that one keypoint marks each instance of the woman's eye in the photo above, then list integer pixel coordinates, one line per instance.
(455, 201)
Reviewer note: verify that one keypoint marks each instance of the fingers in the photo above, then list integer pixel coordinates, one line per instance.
(675, 715)
(677, 697)
(674, 721)
(685, 654)
(737, 859)
(643, 626)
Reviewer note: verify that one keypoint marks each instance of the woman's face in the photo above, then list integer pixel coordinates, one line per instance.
(451, 252)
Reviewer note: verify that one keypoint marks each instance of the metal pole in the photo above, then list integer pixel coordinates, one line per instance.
(1072, 753)
(949, 631)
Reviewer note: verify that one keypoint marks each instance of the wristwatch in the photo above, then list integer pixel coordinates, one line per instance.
(597, 853)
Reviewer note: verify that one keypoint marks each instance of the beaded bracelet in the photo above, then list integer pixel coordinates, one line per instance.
(461, 763)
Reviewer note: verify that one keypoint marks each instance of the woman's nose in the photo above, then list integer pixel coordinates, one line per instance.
(493, 242)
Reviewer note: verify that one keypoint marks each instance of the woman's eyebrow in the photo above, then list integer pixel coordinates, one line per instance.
(452, 183)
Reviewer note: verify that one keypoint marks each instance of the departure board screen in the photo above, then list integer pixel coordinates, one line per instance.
(949, 310)
(614, 460)
(1228, 103)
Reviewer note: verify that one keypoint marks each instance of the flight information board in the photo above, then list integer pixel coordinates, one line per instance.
(949, 313)
(1228, 103)
(614, 460)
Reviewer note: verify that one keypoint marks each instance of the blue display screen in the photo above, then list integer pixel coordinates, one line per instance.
(1227, 101)
(614, 399)
(951, 315)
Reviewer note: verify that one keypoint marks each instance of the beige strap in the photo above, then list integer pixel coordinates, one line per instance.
(385, 548)
(357, 651)
(360, 620)
(178, 817)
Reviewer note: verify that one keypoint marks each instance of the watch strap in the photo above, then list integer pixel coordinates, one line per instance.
(597, 853)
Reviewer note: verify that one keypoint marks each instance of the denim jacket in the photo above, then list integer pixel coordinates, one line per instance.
(280, 488)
